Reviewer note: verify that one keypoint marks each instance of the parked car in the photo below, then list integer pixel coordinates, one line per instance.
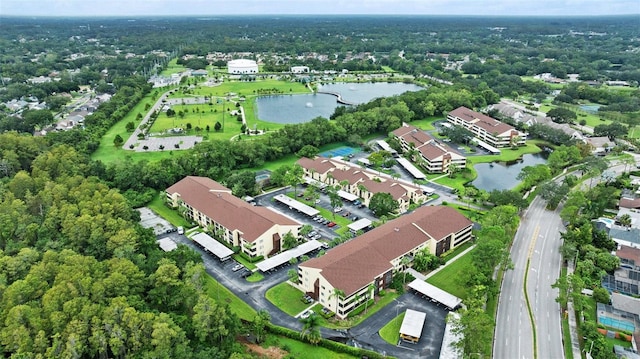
(355, 218)
(326, 311)
(337, 209)
(316, 237)
(357, 202)
(317, 200)
(237, 267)
(300, 194)
(311, 234)
(346, 214)
(306, 314)
(331, 224)
(361, 205)
(325, 221)
(180, 230)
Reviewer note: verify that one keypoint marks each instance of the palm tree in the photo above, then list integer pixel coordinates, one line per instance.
(405, 261)
(310, 328)
(625, 220)
(370, 289)
(338, 294)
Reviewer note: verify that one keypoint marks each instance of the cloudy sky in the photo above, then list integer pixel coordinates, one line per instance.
(260, 7)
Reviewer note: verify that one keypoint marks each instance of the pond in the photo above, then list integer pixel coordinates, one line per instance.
(502, 175)
(590, 108)
(305, 107)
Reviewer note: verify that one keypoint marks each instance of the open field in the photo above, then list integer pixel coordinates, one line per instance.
(171, 215)
(298, 349)
(172, 68)
(286, 298)
(450, 278)
(245, 88)
(221, 294)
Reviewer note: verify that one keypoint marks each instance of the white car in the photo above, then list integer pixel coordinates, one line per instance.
(306, 314)
(337, 209)
(180, 230)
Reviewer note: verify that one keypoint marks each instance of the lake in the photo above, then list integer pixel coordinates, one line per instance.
(501, 175)
(305, 107)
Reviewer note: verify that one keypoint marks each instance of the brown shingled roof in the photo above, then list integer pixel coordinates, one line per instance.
(217, 203)
(489, 124)
(629, 202)
(629, 253)
(354, 264)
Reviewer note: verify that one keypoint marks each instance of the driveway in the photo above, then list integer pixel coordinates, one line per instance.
(366, 334)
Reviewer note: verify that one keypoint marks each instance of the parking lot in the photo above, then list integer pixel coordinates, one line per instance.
(321, 225)
(149, 219)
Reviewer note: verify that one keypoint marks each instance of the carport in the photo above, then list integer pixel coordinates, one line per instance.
(412, 324)
(486, 146)
(167, 244)
(415, 172)
(436, 294)
(360, 224)
(298, 206)
(212, 246)
(311, 181)
(284, 257)
(347, 196)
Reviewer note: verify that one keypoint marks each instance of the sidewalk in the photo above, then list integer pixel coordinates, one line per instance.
(573, 329)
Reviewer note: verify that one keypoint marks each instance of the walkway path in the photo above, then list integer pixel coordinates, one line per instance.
(573, 326)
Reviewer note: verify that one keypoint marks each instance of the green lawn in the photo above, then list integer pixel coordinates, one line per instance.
(391, 331)
(171, 215)
(450, 277)
(507, 154)
(172, 68)
(107, 152)
(427, 123)
(219, 293)
(298, 349)
(286, 298)
(243, 88)
(255, 277)
(371, 310)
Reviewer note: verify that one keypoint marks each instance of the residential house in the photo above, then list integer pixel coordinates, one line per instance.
(435, 157)
(487, 129)
(257, 231)
(351, 274)
(361, 182)
(600, 146)
(625, 279)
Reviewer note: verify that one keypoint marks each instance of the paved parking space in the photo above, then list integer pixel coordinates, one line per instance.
(149, 219)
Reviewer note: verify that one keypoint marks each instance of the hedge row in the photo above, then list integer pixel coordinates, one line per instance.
(325, 343)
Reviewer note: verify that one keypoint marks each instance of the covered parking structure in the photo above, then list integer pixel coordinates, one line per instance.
(436, 294)
(298, 206)
(385, 146)
(347, 196)
(284, 257)
(167, 244)
(359, 225)
(311, 181)
(412, 324)
(212, 246)
(413, 170)
(486, 146)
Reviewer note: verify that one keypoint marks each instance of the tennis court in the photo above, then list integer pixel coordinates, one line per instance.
(340, 151)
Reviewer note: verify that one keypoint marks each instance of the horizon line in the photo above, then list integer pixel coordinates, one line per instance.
(341, 15)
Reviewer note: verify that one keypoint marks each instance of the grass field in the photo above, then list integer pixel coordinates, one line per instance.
(286, 298)
(391, 331)
(171, 215)
(591, 119)
(298, 349)
(450, 277)
(172, 68)
(221, 294)
(255, 277)
(244, 88)
(371, 310)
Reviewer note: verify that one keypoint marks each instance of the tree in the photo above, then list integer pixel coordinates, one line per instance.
(553, 193)
(625, 220)
(308, 151)
(311, 329)
(293, 177)
(562, 115)
(289, 241)
(130, 126)
(217, 127)
(334, 198)
(382, 203)
(292, 274)
(118, 141)
(260, 322)
(338, 294)
(171, 112)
